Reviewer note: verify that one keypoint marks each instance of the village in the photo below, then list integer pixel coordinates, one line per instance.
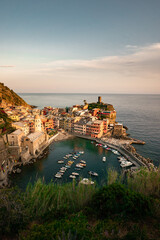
(34, 129)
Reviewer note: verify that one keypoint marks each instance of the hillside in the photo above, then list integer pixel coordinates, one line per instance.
(8, 96)
(5, 123)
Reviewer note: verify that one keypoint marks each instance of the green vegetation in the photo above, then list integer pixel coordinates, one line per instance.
(5, 126)
(10, 97)
(106, 107)
(71, 211)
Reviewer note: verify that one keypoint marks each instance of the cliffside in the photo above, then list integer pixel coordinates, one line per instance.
(9, 97)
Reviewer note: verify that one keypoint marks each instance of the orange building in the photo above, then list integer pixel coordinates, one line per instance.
(49, 124)
(97, 129)
(95, 111)
(105, 125)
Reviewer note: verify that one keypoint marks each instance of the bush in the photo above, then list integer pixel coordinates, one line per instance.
(13, 215)
(116, 199)
(72, 228)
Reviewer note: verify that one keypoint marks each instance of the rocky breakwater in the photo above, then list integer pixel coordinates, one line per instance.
(147, 161)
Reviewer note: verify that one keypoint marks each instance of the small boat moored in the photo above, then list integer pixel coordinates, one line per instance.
(86, 181)
(93, 173)
(72, 176)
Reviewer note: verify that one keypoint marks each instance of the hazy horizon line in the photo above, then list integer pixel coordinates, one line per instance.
(90, 93)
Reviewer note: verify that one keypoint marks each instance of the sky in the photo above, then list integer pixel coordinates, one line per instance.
(80, 46)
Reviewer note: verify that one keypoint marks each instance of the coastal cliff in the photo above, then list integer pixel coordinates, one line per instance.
(9, 97)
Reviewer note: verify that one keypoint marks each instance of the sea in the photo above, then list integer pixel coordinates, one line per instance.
(140, 113)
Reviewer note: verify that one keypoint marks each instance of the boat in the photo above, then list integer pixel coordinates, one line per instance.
(60, 161)
(81, 152)
(86, 181)
(58, 175)
(115, 152)
(126, 164)
(93, 173)
(65, 157)
(104, 159)
(63, 168)
(79, 165)
(83, 164)
(72, 176)
(122, 159)
(82, 161)
(75, 173)
(67, 166)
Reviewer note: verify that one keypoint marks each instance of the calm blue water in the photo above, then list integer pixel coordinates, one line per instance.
(140, 113)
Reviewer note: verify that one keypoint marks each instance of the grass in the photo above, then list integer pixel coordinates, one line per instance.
(145, 182)
(71, 211)
(58, 200)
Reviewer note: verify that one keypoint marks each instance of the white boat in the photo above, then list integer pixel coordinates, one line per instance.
(81, 152)
(82, 161)
(93, 173)
(86, 181)
(63, 168)
(127, 164)
(115, 152)
(58, 175)
(60, 161)
(104, 159)
(72, 176)
(79, 166)
(75, 173)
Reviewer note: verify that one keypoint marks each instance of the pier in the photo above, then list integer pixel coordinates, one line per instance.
(124, 152)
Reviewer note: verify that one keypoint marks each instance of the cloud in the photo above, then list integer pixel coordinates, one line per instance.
(6, 66)
(143, 59)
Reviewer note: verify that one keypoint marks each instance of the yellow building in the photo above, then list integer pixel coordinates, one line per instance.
(14, 117)
(22, 126)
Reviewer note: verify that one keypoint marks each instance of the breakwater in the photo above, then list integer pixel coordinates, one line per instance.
(121, 149)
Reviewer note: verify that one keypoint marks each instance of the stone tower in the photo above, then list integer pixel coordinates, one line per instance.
(37, 123)
(99, 99)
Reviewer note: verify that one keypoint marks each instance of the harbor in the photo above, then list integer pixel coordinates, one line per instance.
(74, 163)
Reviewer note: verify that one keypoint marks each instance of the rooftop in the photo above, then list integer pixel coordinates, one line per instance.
(20, 124)
(17, 132)
(34, 136)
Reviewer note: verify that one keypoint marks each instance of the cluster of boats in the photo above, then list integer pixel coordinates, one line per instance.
(78, 167)
(124, 162)
(63, 169)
